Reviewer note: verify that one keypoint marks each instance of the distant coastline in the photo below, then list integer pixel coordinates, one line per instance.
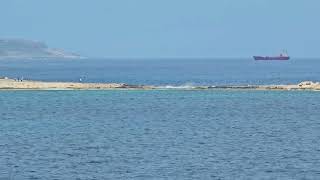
(29, 49)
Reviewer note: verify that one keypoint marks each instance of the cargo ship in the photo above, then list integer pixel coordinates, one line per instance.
(282, 57)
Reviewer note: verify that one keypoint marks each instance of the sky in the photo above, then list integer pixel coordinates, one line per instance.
(167, 28)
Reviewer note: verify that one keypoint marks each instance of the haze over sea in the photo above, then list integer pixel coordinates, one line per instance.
(161, 134)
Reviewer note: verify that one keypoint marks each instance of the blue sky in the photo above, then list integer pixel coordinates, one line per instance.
(167, 28)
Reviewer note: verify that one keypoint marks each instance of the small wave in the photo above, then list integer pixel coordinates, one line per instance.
(184, 86)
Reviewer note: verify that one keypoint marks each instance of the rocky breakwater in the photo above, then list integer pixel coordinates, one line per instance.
(305, 85)
(6, 83)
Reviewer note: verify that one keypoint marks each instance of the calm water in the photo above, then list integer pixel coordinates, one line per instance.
(166, 72)
(166, 134)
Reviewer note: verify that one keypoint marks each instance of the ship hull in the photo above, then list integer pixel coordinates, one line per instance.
(267, 58)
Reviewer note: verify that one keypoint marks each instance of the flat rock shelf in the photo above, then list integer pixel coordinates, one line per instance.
(6, 83)
(41, 85)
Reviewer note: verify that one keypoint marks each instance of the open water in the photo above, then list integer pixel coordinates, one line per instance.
(160, 134)
(176, 72)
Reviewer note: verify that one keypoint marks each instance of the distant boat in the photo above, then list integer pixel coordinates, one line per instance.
(282, 57)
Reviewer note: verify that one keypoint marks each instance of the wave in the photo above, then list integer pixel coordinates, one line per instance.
(184, 86)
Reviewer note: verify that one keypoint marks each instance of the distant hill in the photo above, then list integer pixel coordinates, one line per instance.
(20, 48)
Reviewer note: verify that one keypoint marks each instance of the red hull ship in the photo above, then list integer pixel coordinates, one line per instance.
(281, 57)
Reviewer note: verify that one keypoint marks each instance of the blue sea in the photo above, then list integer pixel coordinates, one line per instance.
(177, 72)
(160, 134)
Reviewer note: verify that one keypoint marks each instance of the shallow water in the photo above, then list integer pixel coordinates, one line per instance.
(166, 71)
(170, 134)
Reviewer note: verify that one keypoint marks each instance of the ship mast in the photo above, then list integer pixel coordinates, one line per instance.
(285, 52)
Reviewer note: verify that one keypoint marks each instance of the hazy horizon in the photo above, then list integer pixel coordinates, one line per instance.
(167, 29)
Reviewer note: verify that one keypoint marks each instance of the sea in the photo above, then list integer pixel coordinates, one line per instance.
(167, 72)
(168, 133)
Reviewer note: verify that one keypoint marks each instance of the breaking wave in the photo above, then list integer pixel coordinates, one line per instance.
(183, 86)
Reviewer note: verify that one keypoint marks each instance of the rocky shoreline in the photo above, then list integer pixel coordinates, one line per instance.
(7, 84)
(14, 84)
(306, 85)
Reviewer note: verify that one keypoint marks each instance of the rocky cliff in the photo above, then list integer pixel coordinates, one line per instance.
(20, 48)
